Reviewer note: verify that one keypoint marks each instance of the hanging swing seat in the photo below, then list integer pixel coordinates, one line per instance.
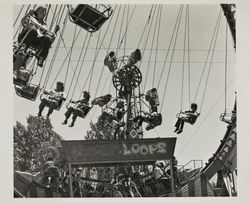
(59, 102)
(89, 18)
(228, 117)
(188, 117)
(22, 77)
(102, 100)
(84, 112)
(30, 91)
(154, 121)
(80, 111)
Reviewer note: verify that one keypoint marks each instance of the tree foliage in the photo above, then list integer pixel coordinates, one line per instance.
(31, 143)
(98, 132)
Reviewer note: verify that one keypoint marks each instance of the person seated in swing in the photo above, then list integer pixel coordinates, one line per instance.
(37, 34)
(153, 99)
(102, 100)
(111, 62)
(153, 119)
(189, 116)
(134, 57)
(53, 99)
(117, 114)
(81, 109)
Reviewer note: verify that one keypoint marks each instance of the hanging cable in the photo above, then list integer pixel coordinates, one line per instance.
(148, 33)
(126, 30)
(64, 45)
(53, 17)
(170, 43)
(92, 68)
(121, 26)
(69, 58)
(147, 23)
(19, 27)
(226, 68)
(18, 15)
(58, 14)
(151, 48)
(64, 60)
(88, 36)
(157, 42)
(188, 50)
(170, 65)
(127, 25)
(47, 13)
(58, 22)
(210, 46)
(97, 52)
(110, 41)
(113, 31)
(183, 64)
(146, 41)
(210, 65)
(54, 54)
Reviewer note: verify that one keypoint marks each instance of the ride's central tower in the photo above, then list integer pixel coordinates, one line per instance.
(125, 80)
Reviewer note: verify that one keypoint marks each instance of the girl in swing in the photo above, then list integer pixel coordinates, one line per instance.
(189, 116)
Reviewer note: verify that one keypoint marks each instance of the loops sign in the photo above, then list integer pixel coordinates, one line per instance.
(144, 149)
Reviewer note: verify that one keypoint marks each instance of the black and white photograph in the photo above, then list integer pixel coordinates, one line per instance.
(124, 100)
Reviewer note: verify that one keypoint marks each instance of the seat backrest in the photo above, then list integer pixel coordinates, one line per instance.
(192, 119)
(29, 92)
(157, 119)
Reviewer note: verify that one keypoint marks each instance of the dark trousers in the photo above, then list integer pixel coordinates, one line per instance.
(76, 112)
(140, 119)
(179, 124)
(30, 38)
(50, 104)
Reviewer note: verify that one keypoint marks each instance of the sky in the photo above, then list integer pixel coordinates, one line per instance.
(197, 142)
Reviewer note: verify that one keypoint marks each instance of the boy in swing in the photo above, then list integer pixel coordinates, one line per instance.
(189, 116)
(81, 109)
(37, 35)
(110, 62)
(53, 99)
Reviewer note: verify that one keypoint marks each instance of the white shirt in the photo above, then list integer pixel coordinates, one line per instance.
(157, 173)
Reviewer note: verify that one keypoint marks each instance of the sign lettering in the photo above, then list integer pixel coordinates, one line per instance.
(144, 149)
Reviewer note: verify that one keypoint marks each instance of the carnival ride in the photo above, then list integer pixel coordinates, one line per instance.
(125, 113)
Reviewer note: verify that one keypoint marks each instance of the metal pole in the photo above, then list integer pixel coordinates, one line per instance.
(70, 182)
(172, 180)
(128, 122)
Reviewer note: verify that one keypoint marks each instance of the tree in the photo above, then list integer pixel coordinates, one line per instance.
(33, 143)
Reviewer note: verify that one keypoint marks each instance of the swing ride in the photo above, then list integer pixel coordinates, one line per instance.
(133, 103)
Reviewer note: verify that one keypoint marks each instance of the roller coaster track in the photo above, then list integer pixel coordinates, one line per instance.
(225, 156)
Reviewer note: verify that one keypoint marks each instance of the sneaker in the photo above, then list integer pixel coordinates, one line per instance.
(40, 62)
(179, 132)
(71, 125)
(64, 122)
(176, 130)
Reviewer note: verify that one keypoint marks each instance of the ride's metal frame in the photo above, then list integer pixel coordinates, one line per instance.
(113, 152)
